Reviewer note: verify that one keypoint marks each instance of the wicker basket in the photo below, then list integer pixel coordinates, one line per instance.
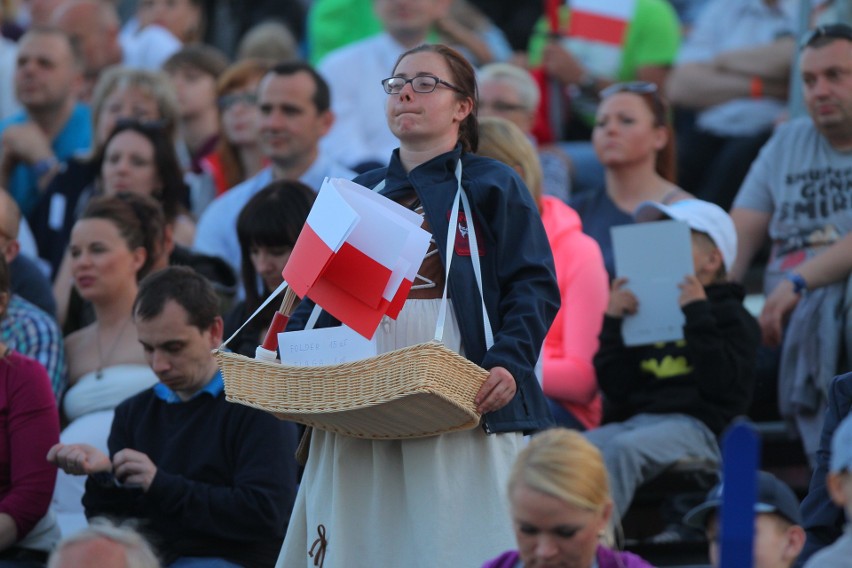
(418, 391)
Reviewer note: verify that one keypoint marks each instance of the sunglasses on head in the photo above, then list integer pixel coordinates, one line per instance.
(147, 125)
(832, 31)
(637, 87)
(640, 88)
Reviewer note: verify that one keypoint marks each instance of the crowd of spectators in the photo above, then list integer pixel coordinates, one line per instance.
(181, 143)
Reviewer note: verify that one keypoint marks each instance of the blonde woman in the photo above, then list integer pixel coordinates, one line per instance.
(560, 506)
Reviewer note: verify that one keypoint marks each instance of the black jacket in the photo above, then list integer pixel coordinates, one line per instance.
(709, 375)
(822, 519)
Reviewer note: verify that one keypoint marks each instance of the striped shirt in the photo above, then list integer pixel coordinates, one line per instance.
(32, 332)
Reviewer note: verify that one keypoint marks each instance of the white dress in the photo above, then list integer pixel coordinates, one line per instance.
(430, 502)
(90, 405)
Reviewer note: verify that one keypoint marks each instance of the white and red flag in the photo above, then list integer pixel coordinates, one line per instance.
(357, 255)
(596, 33)
(603, 21)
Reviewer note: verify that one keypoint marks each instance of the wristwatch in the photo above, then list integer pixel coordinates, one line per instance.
(799, 284)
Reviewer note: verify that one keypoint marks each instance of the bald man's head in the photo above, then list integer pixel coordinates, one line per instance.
(93, 27)
(104, 545)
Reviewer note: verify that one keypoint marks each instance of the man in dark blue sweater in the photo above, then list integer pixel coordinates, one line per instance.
(209, 481)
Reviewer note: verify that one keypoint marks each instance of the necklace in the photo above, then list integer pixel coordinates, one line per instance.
(99, 372)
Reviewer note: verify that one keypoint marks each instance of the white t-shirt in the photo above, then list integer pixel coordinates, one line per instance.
(354, 75)
(146, 48)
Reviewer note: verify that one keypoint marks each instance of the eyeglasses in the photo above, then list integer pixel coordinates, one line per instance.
(420, 84)
(227, 101)
(833, 31)
(637, 87)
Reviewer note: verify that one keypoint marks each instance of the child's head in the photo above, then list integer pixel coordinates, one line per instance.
(778, 536)
(839, 480)
(194, 71)
(714, 238)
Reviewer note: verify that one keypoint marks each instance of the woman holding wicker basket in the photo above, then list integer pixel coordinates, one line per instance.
(438, 501)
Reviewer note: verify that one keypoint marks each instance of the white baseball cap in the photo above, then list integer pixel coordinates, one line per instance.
(701, 216)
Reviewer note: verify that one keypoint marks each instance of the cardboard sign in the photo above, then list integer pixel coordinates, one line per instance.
(325, 346)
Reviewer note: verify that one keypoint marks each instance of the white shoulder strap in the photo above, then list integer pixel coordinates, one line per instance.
(474, 258)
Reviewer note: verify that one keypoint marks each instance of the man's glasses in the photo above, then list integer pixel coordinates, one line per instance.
(420, 84)
(832, 31)
(227, 101)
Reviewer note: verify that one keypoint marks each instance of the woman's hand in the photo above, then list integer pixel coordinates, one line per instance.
(496, 392)
(79, 459)
(622, 302)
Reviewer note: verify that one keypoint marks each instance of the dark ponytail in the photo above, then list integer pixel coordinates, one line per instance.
(139, 219)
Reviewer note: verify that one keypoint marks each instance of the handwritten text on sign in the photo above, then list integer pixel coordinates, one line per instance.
(326, 346)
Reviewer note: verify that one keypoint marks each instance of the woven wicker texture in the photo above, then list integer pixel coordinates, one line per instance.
(417, 391)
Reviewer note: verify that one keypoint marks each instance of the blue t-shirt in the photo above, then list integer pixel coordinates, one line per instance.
(75, 136)
(599, 214)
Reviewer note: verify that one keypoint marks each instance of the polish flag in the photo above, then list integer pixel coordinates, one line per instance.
(357, 255)
(603, 21)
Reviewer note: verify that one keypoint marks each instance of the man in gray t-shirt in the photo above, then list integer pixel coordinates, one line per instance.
(799, 193)
(799, 189)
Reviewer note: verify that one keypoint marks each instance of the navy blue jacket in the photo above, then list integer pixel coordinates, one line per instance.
(519, 281)
(823, 519)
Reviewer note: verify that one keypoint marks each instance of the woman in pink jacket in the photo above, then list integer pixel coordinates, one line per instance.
(568, 374)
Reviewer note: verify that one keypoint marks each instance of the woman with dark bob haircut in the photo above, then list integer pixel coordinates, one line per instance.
(267, 228)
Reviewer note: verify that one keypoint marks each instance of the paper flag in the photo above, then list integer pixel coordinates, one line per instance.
(357, 255)
(604, 22)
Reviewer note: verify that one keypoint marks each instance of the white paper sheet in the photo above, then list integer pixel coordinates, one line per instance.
(654, 257)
